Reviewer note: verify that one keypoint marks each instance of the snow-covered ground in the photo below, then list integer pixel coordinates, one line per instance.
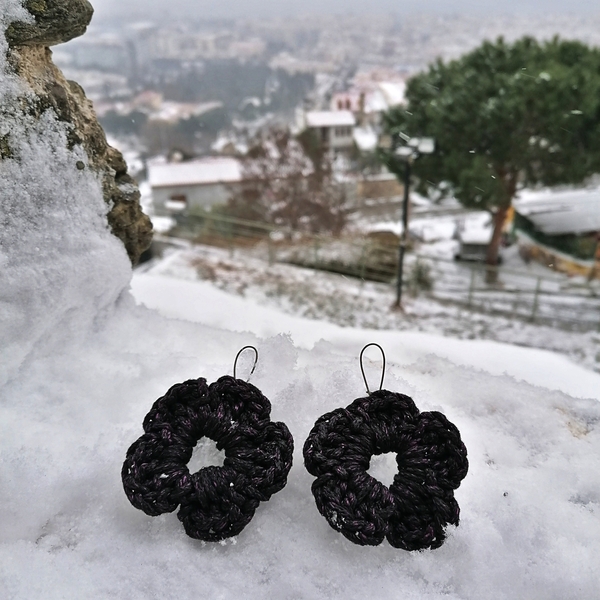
(530, 504)
(81, 363)
(348, 302)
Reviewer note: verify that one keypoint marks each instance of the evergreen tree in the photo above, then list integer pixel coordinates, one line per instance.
(503, 116)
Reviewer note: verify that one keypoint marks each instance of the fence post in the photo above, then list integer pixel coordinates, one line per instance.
(536, 294)
(270, 250)
(363, 260)
(230, 238)
(471, 287)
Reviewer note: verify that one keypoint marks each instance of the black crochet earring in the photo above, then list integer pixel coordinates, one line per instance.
(216, 502)
(413, 512)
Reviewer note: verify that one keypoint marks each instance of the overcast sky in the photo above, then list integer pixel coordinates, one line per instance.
(263, 8)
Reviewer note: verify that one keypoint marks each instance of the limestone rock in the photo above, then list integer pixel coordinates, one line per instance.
(56, 21)
(32, 61)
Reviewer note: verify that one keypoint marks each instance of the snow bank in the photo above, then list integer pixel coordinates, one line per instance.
(529, 521)
(202, 303)
(81, 365)
(61, 269)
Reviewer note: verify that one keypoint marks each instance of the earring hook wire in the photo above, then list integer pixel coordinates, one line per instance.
(253, 366)
(362, 369)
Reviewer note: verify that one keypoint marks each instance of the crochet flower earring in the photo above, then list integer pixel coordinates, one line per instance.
(216, 502)
(413, 512)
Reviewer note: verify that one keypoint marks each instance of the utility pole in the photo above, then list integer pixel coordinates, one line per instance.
(404, 233)
(414, 148)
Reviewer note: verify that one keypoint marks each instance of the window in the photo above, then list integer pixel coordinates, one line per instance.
(176, 202)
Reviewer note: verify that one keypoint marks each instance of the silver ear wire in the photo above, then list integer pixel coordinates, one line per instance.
(253, 366)
(362, 370)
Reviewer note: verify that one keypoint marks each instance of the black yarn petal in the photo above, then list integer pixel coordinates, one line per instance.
(154, 474)
(355, 504)
(215, 502)
(218, 506)
(432, 461)
(179, 407)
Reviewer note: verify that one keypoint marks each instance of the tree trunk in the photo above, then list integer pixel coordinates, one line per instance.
(491, 258)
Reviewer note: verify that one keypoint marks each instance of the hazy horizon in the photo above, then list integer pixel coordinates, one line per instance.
(111, 9)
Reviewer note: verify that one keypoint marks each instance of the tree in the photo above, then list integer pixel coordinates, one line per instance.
(288, 182)
(503, 117)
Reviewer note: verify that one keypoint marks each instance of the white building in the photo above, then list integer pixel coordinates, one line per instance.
(197, 184)
(333, 127)
(368, 101)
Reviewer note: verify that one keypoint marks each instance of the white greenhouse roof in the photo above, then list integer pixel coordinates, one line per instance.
(329, 118)
(203, 171)
(555, 213)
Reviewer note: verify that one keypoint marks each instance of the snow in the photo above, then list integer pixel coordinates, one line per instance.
(172, 112)
(393, 92)
(432, 230)
(365, 138)
(476, 228)
(201, 302)
(561, 212)
(81, 363)
(394, 227)
(202, 171)
(329, 118)
(162, 224)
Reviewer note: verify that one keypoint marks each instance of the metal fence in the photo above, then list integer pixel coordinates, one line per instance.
(551, 299)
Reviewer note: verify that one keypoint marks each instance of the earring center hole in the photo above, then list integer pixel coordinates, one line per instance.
(206, 455)
(383, 467)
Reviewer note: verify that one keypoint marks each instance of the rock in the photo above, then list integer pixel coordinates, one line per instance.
(56, 21)
(29, 55)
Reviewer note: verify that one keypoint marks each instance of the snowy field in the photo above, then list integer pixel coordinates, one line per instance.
(348, 302)
(82, 359)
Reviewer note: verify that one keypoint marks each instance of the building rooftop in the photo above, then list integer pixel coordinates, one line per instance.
(202, 171)
(329, 118)
(556, 213)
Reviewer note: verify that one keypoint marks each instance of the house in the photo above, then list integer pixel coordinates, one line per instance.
(195, 185)
(369, 99)
(560, 229)
(334, 128)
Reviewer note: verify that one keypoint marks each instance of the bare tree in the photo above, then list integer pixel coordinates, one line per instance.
(285, 185)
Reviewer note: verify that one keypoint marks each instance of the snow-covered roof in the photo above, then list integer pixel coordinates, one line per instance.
(329, 118)
(393, 92)
(174, 111)
(476, 228)
(375, 102)
(365, 138)
(476, 236)
(203, 171)
(555, 213)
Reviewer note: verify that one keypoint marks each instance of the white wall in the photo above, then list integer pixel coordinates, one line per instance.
(198, 196)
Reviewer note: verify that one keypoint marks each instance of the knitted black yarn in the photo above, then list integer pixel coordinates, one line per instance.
(216, 502)
(432, 461)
